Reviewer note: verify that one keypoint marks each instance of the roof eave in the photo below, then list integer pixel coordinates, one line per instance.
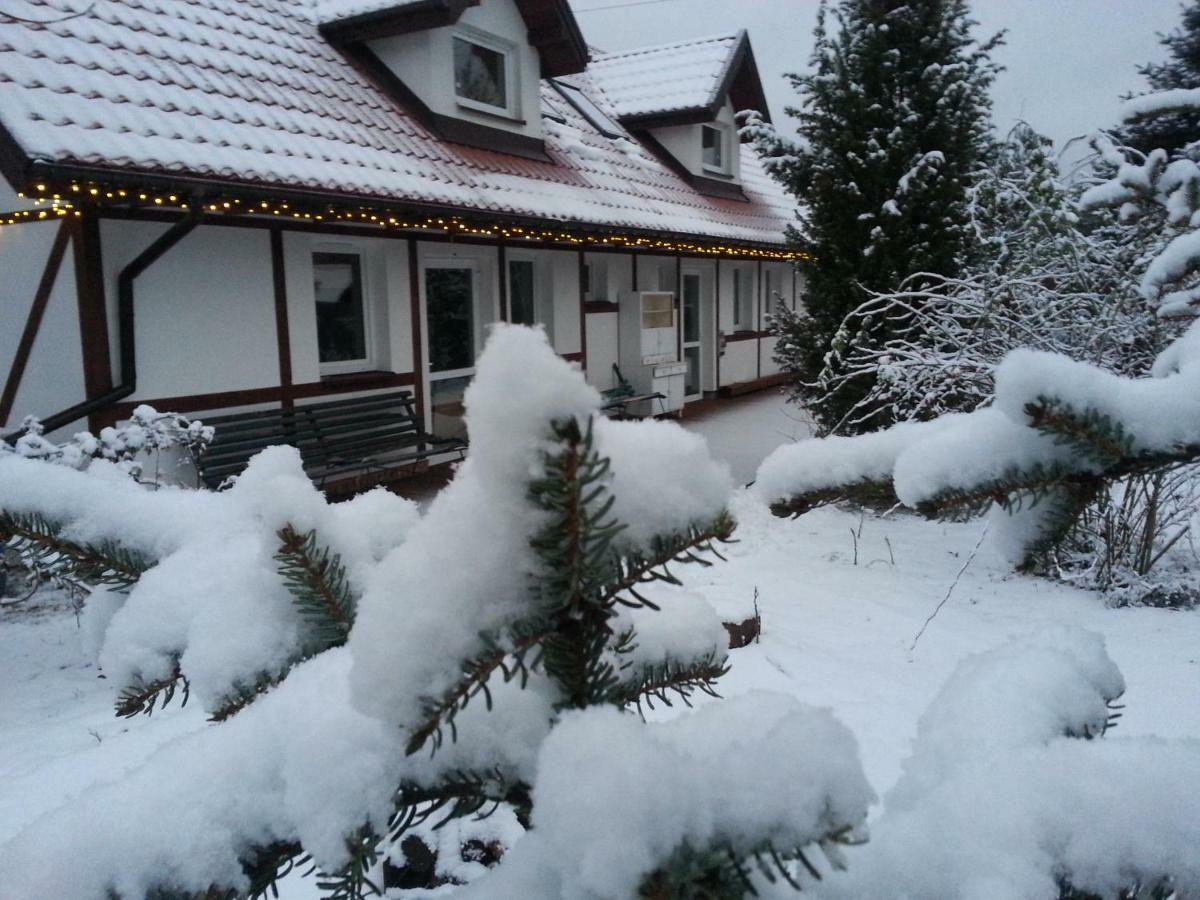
(389, 22)
(203, 188)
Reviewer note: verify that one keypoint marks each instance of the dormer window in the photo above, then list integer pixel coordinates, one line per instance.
(485, 71)
(715, 153)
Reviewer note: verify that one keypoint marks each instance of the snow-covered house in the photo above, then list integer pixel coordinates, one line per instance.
(212, 205)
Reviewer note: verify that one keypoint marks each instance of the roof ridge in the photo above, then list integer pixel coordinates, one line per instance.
(638, 51)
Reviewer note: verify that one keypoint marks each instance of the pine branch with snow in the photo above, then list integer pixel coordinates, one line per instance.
(505, 629)
(1057, 434)
(43, 543)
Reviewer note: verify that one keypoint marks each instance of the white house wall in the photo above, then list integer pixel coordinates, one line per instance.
(53, 379)
(204, 314)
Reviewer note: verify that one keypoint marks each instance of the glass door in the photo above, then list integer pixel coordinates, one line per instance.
(690, 291)
(451, 316)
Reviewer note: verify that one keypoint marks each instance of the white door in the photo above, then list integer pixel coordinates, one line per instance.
(452, 335)
(690, 292)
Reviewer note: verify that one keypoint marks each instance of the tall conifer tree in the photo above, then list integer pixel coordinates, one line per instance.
(894, 119)
(1175, 130)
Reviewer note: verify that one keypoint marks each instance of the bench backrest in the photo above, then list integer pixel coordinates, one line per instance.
(329, 435)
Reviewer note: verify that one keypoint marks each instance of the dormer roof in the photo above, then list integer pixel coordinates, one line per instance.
(553, 31)
(682, 83)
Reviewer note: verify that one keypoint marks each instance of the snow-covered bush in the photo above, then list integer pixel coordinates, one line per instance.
(371, 667)
(131, 445)
(1008, 792)
(1059, 432)
(1039, 279)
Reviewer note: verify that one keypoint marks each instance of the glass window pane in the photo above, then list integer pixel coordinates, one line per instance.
(691, 308)
(446, 402)
(520, 292)
(692, 384)
(450, 302)
(658, 310)
(713, 147)
(341, 328)
(479, 74)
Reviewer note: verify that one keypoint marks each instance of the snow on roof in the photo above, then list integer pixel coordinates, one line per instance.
(249, 91)
(333, 10)
(682, 76)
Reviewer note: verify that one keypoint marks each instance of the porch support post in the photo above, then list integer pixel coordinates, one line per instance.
(633, 254)
(679, 306)
(582, 311)
(414, 293)
(33, 321)
(93, 314)
(502, 281)
(282, 331)
(762, 303)
(717, 326)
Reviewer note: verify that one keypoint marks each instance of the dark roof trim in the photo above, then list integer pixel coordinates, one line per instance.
(448, 128)
(705, 184)
(419, 16)
(551, 25)
(740, 82)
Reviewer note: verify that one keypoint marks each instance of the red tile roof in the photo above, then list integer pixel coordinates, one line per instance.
(249, 91)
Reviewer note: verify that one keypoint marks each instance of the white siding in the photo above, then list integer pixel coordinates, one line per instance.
(204, 313)
(53, 378)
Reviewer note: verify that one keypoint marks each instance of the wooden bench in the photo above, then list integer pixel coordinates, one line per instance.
(360, 434)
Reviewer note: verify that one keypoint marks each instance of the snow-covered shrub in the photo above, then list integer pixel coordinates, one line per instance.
(372, 668)
(131, 445)
(1058, 433)
(1006, 793)
(1040, 279)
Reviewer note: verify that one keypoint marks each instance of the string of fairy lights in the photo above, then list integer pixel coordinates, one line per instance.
(50, 201)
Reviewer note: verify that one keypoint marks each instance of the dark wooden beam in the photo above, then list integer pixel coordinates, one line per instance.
(326, 387)
(33, 321)
(283, 337)
(414, 299)
(583, 310)
(93, 311)
(502, 276)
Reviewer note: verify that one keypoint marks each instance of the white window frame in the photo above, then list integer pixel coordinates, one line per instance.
(348, 366)
(512, 80)
(726, 166)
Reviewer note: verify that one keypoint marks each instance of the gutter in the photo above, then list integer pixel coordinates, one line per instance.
(126, 335)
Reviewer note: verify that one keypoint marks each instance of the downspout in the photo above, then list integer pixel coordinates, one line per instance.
(126, 335)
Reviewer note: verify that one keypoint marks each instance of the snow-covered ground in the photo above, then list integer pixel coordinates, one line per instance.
(842, 597)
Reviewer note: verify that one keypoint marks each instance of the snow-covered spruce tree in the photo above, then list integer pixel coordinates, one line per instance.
(1039, 280)
(893, 123)
(373, 669)
(1177, 129)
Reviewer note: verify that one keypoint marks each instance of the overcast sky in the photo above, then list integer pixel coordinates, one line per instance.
(1068, 61)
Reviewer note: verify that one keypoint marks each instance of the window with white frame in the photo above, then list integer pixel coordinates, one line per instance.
(714, 141)
(743, 300)
(485, 73)
(343, 326)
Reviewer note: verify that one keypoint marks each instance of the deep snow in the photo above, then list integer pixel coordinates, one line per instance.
(842, 597)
